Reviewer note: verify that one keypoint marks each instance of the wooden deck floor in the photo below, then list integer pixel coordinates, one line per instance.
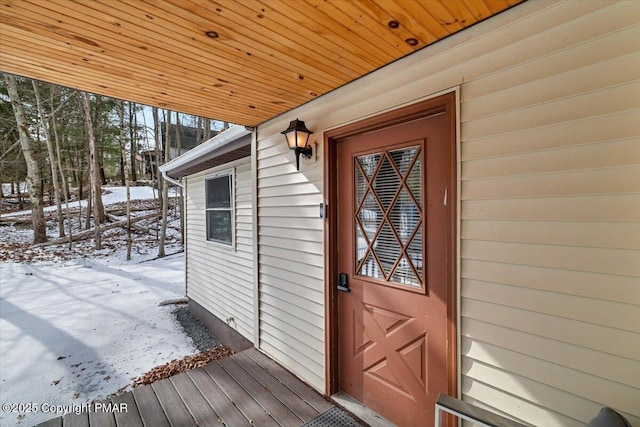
(245, 389)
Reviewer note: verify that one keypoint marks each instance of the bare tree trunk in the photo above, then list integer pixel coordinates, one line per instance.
(20, 201)
(97, 124)
(52, 158)
(79, 182)
(134, 143)
(122, 167)
(207, 129)
(33, 169)
(17, 180)
(147, 147)
(77, 166)
(165, 188)
(129, 239)
(156, 131)
(65, 185)
(132, 138)
(87, 219)
(178, 140)
(199, 131)
(123, 157)
(94, 171)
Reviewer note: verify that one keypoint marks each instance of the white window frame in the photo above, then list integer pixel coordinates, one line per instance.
(232, 209)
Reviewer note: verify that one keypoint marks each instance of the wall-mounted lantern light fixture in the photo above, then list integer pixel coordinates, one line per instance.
(297, 136)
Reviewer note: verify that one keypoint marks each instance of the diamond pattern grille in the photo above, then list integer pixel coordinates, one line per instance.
(389, 216)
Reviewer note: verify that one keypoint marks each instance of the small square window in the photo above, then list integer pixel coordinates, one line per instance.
(219, 208)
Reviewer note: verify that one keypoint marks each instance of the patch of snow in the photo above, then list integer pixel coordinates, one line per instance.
(80, 330)
(80, 325)
(6, 187)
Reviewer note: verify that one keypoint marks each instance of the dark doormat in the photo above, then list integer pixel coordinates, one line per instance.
(334, 417)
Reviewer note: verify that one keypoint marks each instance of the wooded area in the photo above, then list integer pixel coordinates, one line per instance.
(59, 144)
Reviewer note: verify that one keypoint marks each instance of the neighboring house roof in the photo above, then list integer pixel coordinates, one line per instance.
(232, 144)
(188, 135)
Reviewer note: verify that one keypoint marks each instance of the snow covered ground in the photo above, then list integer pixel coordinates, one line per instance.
(80, 329)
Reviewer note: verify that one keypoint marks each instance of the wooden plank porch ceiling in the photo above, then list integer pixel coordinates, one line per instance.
(245, 389)
(241, 61)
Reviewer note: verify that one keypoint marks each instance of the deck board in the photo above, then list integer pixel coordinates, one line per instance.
(150, 409)
(283, 415)
(173, 406)
(217, 398)
(285, 377)
(130, 417)
(298, 406)
(245, 403)
(54, 422)
(101, 418)
(200, 410)
(244, 389)
(75, 420)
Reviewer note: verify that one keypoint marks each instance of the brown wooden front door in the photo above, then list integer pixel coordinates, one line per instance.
(395, 245)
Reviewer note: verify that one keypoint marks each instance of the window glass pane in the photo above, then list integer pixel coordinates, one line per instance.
(370, 268)
(415, 251)
(386, 183)
(362, 244)
(414, 181)
(369, 163)
(219, 192)
(370, 216)
(389, 216)
(219, 226)
(405, 215)
(403, 158)
(404, 274)
(361, 185)
(387, 248)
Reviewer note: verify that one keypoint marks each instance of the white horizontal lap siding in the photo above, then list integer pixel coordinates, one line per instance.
(220, 278)
(549, 162)
(550, 205)
(291, 254)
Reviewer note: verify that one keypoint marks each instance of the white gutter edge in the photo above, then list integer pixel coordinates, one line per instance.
(169, 179)
(208, 146)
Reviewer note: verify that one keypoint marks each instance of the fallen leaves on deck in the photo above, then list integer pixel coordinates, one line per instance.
(178, 366)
